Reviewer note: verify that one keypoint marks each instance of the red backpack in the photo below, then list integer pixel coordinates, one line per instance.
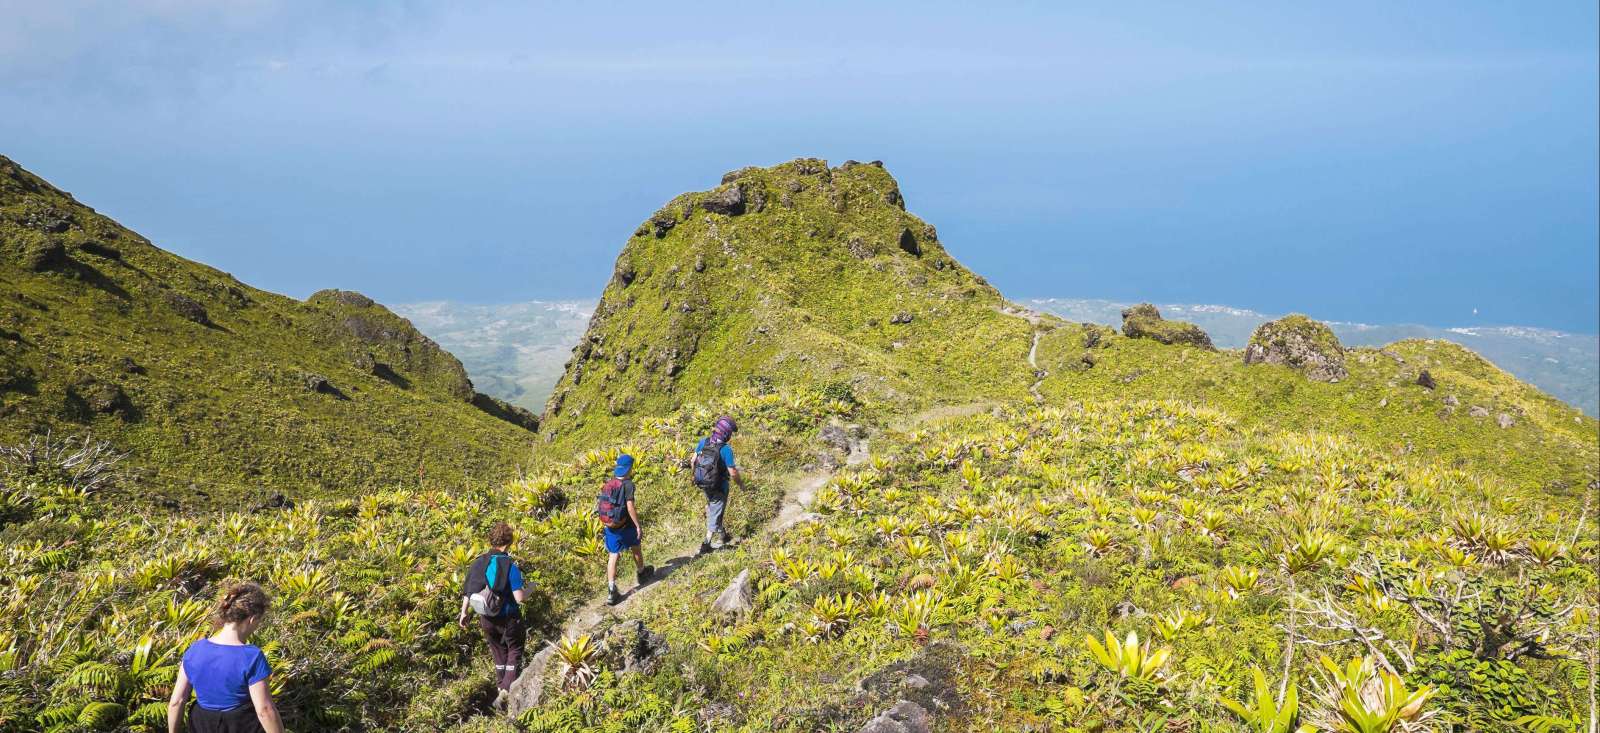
(610, 508)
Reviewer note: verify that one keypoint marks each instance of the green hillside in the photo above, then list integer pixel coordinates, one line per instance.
(796, 274)
(951, 516)
(215, 389)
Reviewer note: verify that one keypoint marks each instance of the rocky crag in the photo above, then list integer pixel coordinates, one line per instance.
(801, 273)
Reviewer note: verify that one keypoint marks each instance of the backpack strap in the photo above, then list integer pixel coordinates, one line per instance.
(491, 572)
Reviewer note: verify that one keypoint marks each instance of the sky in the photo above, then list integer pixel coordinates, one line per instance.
(1428, 162)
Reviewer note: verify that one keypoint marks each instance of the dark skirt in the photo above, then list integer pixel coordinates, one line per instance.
(241, 719)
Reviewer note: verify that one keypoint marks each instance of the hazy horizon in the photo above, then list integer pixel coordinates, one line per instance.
(1428, 162)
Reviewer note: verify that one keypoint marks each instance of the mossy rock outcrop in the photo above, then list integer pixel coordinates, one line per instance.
(799, 273)
(1145, 321)
(1298, 342)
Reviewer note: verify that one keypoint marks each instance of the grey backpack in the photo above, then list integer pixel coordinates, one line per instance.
(487, 602)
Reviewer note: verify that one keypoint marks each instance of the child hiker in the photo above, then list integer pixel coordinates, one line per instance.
(620, 517)
(493, 590)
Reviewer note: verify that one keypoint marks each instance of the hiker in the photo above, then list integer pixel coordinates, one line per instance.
(620, 519)
(227, 674)
(492, 591)
(712, 467)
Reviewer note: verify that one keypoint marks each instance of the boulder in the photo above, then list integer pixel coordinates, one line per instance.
(901, 318)
(1425, 380)
(738, 598)
(1504, 420)
(188, 308)
(1478, 411)
(47, 218)
(44, 255)
(631, 647)
(625, 273)
(1145, 321)
(662, 223)
(908, 243)
(728, 201)
(100, 249)
(1300, 343)
(904, 717)
(320, 384)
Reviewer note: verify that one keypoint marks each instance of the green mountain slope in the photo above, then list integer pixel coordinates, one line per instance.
(217, 389)
(1476, 414)
(1023, 483)
(795, 274)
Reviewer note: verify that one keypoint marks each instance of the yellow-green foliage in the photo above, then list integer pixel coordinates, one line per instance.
(1550, 446)
(102, 334)
(804, 288)
(972, 532)
(97, 604)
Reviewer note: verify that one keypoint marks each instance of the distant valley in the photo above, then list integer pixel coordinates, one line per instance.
(517, 351)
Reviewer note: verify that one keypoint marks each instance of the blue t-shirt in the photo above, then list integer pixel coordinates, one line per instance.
(727, 460)
(223, 673)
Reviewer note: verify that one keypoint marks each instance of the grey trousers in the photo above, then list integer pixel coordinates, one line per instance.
(716, 503)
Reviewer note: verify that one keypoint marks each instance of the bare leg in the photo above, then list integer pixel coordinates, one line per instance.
(638, 560)
(611, 569)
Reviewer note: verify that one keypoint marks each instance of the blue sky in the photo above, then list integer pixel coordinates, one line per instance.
(1369, 161)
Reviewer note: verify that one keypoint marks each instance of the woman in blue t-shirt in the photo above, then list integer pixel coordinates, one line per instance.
(226, 673)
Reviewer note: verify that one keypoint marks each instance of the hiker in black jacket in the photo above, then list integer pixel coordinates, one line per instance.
(493, 591)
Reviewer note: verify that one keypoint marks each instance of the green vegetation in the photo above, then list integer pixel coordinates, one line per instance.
(817, 275)
(220, 393)
(969, 539)
(1057, 527)
(99, 603)
(1547, 446)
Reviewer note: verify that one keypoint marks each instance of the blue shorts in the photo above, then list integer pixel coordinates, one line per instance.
(618, 540)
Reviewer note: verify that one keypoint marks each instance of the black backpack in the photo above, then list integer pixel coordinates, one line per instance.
(488, 601)
(709, 470)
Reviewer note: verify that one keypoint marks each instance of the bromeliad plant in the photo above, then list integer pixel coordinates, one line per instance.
(576, 655)
(1128, 658)
(1267, 715)
(1359, 698)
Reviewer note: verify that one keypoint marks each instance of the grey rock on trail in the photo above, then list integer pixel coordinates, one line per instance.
(904, 717)
(738, 598)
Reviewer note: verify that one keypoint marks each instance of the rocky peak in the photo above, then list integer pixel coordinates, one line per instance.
(759, 277)
(1300, 343)
(1144, 321)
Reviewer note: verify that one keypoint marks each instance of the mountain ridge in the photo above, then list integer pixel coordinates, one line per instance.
(218, 389)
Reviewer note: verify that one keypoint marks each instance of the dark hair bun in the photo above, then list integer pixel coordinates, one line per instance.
(239, 602)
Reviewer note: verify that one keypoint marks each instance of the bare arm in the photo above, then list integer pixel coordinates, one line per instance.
(175, 703)
(737, 477)
(634, 515)
(266, 712)
(465, 606)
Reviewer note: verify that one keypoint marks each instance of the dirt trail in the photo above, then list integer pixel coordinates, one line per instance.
(529, 687)
(1034, 318)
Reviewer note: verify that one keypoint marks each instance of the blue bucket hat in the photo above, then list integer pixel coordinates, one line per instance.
(624, 465)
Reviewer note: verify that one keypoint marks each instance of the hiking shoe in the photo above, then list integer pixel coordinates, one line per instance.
(613, 598)
(646, 573)
(705, 547)
(727, 539)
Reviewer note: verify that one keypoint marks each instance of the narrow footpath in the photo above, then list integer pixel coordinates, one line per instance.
(527, 691)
